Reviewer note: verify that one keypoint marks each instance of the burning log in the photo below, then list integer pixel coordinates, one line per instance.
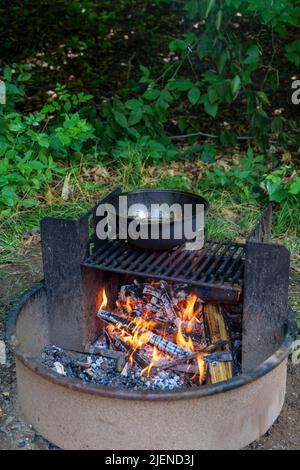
(133, 291)
(178, 332)
(159, 297)
(217, 331)
(119, 344)
(184, 363)
(151, 297)
(162, 344)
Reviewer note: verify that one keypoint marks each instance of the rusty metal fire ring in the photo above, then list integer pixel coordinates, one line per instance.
(207, 390)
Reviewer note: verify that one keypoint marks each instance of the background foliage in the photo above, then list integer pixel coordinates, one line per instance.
(111, 90)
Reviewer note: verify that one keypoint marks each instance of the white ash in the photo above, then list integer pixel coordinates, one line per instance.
(101, 371)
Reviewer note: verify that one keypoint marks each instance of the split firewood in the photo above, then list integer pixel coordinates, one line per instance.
(217, 330)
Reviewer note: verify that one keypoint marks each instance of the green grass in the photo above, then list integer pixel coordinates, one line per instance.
(13, 227)
(230, 216)
(227, 217)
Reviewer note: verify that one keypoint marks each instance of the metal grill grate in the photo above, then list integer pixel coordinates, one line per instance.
(219, 265)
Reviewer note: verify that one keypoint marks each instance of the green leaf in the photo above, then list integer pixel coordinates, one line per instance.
(24, 77)
(121, 119)
(29, 203)
(67, 106)
(211, 109)
(263, 98)
(212, 94)
(295, 186)
(192, 8)
(210, 6)
(277, 124)
(135, 117)
(235, 84)
(14, 90)
(145, 71)
(178, 45)
(208, 154)
(219, 19)
(253, 54)
(43, 140)
(180, 85)
(293, 52)
(133, 104)
(35, 165)
(64, 138)
(3, 147)
(8, 196)
(151, 94)
(221, 61)
(194, 95)
(7, 73)
(17, 126)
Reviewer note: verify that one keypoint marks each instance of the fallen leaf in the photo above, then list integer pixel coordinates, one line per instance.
(223, 165)
(286, 157)
(49, 197)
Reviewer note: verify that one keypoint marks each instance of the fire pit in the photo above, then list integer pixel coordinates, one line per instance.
(124, 348)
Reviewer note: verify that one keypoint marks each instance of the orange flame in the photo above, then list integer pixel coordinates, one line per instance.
(189, 311)
(190, 314)
(156, 357)
(181, 341)
(201, 367)
(140, 326)
(128, 305)
(102, 299)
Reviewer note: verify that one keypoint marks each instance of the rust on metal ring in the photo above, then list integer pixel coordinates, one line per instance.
(105, 391)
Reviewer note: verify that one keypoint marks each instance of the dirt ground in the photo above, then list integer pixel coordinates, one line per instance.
(16, 433)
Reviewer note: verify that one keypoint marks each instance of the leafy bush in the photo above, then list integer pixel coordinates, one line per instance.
(228, 65)
(222, 69)
(210, 69)
(282, 184)
(245, 176)
(31, 150)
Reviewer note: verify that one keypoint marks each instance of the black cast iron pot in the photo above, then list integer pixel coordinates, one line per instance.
(164, 232)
